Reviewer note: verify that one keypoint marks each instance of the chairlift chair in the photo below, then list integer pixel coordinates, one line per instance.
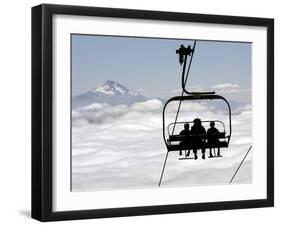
(176, 142)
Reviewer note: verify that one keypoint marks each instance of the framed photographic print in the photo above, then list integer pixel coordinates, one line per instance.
(145, 112)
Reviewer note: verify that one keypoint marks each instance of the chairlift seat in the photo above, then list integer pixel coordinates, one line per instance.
(173, 138)
(184, 146)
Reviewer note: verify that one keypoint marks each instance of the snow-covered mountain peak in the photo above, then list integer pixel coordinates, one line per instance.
(113, 89)
(110, 92)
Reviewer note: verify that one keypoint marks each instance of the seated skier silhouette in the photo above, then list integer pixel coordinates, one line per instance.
(198, 142)
(185, 141)
(213, 139)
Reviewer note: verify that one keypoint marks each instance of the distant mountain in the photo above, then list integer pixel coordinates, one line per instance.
(114, 93)
(110, 92)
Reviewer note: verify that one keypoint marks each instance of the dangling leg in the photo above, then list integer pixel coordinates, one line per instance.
(195, 154)
(219, 153)
(180, 153)
(211, 154)
(203, 153)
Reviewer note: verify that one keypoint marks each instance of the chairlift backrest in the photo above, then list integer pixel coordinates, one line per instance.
(218, 124)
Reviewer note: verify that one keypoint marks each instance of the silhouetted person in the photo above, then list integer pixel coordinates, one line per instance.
(186, 134)
(213, 139)
(196, 130)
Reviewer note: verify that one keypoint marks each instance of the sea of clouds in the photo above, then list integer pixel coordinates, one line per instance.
(122, 147)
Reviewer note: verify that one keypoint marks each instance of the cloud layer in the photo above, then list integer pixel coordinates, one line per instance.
(226, 86)
(121, 147)
(229, 90)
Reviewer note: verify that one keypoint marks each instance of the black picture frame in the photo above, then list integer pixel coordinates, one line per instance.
(42, 106)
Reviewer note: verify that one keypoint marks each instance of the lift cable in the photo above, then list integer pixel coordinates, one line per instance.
(185, 81)
(240, 165)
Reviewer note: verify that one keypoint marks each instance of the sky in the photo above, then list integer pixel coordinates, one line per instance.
(150, 65)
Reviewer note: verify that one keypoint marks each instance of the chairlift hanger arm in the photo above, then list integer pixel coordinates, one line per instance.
(183, 53)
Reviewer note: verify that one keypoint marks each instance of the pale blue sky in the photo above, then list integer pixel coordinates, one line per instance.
(151, 64)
